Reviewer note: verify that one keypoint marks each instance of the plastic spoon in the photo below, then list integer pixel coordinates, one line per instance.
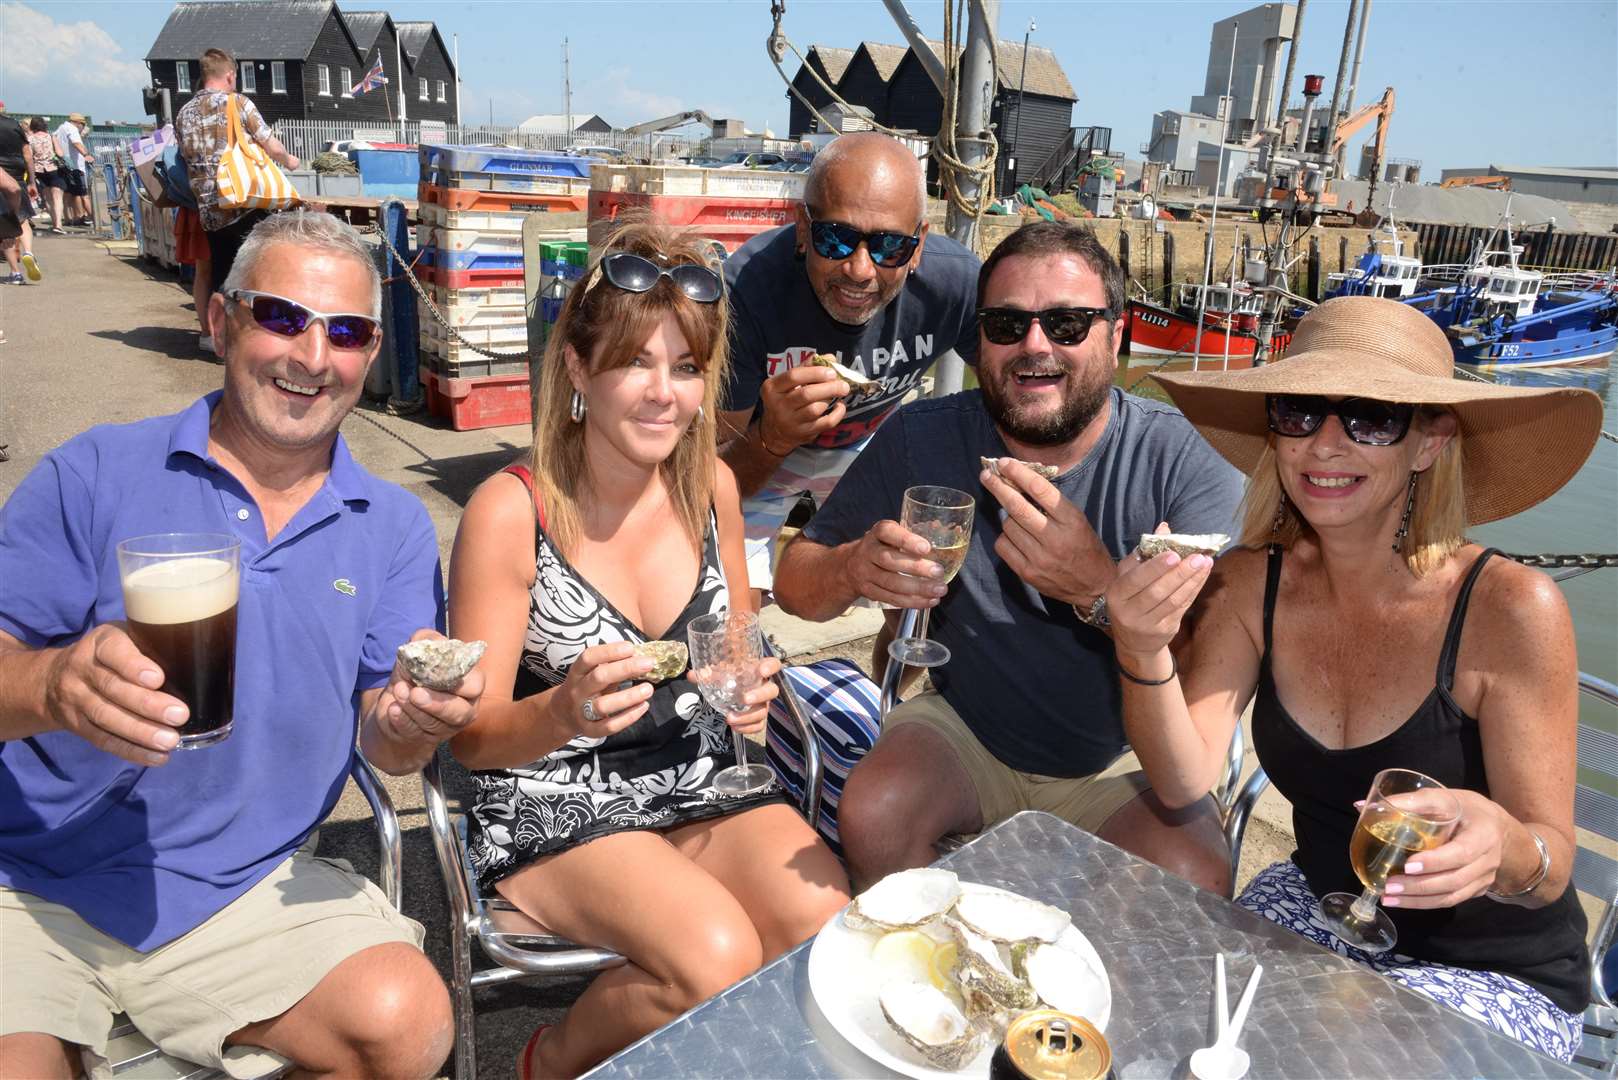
(1221, 1002)
(1224, 1060)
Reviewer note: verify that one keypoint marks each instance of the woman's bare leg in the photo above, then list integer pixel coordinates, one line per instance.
(685, 936)
(772, 862)
(201, 289)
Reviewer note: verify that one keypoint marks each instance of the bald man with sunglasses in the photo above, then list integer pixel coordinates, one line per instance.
(180, 885)
(1026, 713)
(858, 276)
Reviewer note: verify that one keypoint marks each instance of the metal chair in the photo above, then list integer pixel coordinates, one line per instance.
(131, 1056)
(521, 948)
(1595, 872)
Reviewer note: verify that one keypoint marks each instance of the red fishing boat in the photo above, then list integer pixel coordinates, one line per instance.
(1230, 319)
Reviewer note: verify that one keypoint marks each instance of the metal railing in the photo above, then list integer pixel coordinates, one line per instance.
(306, 137)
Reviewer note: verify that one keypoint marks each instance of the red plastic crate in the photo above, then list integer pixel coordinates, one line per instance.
(470, 404)
(469, 279)
(730, 220)
(465, 199)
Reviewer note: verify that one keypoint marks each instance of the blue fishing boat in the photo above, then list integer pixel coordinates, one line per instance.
(1384, 269)
(1502, 313)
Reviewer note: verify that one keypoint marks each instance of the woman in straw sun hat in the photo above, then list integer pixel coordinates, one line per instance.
(1369, 634)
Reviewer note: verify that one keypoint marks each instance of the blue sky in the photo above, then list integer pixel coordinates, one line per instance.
(1519, 82)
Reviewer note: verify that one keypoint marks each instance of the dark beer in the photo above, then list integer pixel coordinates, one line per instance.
(182, 615)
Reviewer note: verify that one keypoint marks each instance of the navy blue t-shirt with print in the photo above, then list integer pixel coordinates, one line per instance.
(1037, 687)
(777, 323)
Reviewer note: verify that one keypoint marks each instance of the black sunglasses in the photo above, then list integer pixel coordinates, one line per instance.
(289, 318)
(834, 240)
(638, 274)
(1372, 423)
(1063, 325)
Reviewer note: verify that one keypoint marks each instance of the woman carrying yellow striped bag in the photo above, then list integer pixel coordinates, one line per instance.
(247, 178)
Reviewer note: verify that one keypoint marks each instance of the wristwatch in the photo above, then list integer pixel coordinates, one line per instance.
(1095, 615)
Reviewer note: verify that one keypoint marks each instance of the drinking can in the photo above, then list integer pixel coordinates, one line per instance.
(1050, 1045)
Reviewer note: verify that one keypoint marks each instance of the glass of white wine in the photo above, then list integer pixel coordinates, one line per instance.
(726, 652)
(942, 516)
(1404, 813)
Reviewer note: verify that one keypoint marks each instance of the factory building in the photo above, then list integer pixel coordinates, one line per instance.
(1588, 184)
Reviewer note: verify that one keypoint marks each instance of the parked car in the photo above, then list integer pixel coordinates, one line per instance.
(608, 153)
(788, 166)
(701, 161)
(743, 159)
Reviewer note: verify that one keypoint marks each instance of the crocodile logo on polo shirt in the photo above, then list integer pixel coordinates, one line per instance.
(345, 586)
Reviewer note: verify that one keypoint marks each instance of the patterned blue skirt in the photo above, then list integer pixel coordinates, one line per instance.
(1282, 895)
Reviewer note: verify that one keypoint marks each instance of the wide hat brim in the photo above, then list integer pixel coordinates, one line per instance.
(1519, 444)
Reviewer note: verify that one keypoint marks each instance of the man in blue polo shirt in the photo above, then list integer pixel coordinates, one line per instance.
(179, 887)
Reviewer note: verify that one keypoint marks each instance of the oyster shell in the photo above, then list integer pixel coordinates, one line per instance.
(671, 658)
(980, 966)
(1064, 980)
(929, 1021)
(906, 900)
(993, 465)
(1186, 544)
(859, 385)
(440, 663)
(1007, 918)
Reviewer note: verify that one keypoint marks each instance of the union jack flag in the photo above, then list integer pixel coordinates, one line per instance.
(373, 78)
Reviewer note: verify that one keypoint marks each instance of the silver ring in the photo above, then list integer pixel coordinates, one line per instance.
(589, 709)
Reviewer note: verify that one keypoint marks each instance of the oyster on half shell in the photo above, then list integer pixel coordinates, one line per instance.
(980, 967)
(1184, 544)
(929, 1021)
(859, 385)
(1049, 472)
(440, 663)
(1007, 918)
(904, 901)
(1064, 980)
(671, 658)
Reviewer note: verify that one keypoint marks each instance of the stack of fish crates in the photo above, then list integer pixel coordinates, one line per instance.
(471, 207)
(726, 205)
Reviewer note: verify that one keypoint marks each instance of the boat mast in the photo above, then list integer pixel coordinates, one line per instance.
(1213, 222)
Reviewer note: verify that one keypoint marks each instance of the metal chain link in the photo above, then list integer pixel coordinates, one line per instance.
(1565, 562)
(432, 308)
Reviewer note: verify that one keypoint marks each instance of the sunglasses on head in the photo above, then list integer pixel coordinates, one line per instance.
(834, 240)
(637, 274)
(289, 318)
(1063, 325)
(1373, 423)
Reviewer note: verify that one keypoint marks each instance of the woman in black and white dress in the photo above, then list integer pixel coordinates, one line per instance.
(595, 810)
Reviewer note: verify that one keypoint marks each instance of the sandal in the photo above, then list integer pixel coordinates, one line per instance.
(525, 1060)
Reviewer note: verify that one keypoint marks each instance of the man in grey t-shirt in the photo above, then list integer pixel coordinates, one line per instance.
(1026, 713)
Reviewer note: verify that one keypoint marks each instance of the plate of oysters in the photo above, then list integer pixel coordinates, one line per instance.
(923, 972)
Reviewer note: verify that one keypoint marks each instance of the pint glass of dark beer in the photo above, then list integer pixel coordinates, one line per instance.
(180, 592)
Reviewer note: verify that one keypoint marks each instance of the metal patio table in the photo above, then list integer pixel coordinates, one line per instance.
(1316, 1014)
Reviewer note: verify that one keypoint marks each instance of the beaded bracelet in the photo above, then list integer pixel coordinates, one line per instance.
(1174, 669)
(1536, 881)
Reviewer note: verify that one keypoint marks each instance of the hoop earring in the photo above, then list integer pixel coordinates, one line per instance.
(577, 408)
(1410, 508)
(1280, 516)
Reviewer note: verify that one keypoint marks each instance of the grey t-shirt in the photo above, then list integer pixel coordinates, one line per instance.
(1037, 687)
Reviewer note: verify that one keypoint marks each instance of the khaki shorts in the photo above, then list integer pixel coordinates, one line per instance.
(253, 960)
(1086, 801)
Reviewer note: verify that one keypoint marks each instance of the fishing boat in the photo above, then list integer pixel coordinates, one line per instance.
(1506, 314)
(1384, 269)
(1229, 327)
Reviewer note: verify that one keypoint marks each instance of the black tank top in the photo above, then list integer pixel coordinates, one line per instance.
(1544, 947)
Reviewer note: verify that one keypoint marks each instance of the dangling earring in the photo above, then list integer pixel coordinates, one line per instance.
(577, 408)
(701, 416)
(1280, 516)
(1410, 508)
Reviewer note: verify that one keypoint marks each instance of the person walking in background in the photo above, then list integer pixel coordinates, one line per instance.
(16, 235)
(191, 249)
(70, 144)
(43, 163)
(203, 127)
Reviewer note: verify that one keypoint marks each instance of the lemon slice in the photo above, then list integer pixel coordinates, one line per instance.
(905, 954)
(940, 966)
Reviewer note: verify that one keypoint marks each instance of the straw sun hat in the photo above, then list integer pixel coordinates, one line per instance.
(1519, 443)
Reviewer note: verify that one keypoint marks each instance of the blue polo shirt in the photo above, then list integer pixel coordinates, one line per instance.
(146, 854)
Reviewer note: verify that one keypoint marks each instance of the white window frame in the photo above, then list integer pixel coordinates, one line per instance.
(246, 77)
(324, 74)
(278, 76)
(441, 90)
(422, 89)
(347, 81)
(182, 76)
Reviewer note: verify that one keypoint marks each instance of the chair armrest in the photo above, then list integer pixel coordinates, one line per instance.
(446, 845)
(390, 850)
(812, 769)
(1240, 810)
(894, 671)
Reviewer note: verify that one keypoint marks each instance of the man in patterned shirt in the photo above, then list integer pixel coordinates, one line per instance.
(203, 127)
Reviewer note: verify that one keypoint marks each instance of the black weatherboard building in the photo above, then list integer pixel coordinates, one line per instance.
(298, 59)
(830, 63)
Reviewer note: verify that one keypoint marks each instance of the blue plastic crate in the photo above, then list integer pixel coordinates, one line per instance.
(501, 159)
(381, 167)
(475, 260)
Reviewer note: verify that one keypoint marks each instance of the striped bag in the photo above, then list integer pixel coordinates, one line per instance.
(247, 178)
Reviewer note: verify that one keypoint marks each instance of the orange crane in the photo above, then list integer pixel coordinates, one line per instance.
(1380, 111)
(1494, 183)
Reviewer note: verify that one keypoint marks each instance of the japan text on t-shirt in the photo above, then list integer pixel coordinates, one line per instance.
(1036, 687)
(777, 323)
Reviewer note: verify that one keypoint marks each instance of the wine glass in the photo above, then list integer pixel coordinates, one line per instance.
(726, 650)
(943, 517)
(1404, 813)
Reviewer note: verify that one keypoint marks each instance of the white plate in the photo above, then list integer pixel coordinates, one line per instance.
(845, 984)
